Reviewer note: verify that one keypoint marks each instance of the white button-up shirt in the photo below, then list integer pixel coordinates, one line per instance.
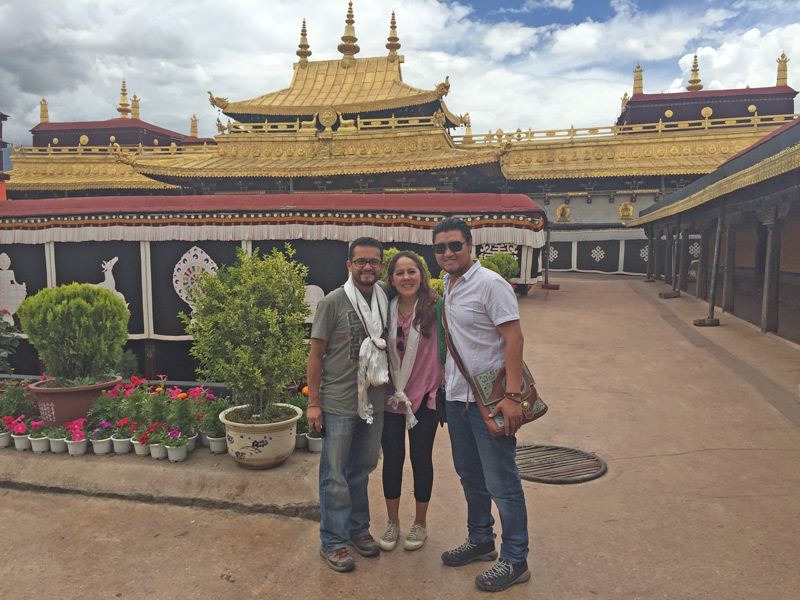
(479, 301)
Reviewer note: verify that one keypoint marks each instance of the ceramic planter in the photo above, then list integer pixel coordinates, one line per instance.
(77, 448)
(314, 443)
(204, 439)
(158, 451)
(39, 445)
(102, 446)
(5, 439)
(21, 442)
(300, 440)
(177, 454)
(217, 445)
(58, 445)
(60, 405)
(121, 445)
(140, 449)
(191, 443)
(261, 446)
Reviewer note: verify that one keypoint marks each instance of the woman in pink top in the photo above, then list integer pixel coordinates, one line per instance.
(415, 375)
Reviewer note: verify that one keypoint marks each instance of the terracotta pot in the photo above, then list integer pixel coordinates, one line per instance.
(61, 405)
(261, 446)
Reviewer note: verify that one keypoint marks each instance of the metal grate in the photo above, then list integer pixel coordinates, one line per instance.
(552, 464)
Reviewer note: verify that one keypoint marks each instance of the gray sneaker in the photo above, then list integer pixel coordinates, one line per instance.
(389, 538)
(338, 559)
(503, 575)
(365, 545)
(416, 537)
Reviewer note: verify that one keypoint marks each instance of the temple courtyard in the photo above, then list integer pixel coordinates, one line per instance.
(699, 427)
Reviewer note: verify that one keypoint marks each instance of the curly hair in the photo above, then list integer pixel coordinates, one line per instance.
(425, 318)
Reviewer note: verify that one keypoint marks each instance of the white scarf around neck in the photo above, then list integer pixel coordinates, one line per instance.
(373, 369)
(401, 368)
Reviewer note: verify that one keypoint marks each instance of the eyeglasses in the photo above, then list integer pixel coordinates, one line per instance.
(454, 247)
(400, 335)
(362, 262)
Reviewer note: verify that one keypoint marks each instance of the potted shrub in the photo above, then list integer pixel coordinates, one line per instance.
(38, 437)
(212, 427)
(157, 439)
(14, 400)
(177, 446)
(19, 432)
(248, 326)
(78, 331)
(76, 437)
(121, 438)
(314, 440)
(57, 436)
(301, 402)
(101, 437)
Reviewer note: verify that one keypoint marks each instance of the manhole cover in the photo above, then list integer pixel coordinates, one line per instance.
(552, 464)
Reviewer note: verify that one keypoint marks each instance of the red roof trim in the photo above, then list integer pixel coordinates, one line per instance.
(766, 138)
(113, 124)
(765, 91)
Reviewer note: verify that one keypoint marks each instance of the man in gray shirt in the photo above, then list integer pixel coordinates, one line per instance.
(346, 371)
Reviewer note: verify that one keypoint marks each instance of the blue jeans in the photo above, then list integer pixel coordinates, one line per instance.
(488, 472)
(350, 451)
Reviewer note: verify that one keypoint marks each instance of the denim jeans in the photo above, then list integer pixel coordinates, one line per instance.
(350, 451)
(488, 471)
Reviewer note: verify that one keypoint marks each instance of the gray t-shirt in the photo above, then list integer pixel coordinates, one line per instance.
(337, 322)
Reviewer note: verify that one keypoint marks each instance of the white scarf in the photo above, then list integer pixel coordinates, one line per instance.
(401, 374)
(373, 368)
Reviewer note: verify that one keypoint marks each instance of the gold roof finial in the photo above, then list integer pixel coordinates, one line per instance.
(783, 78)
(193, 127)
(303, 52)
(694, 80)
(349, 48)
(123, 109)
(134, 107)
(638, 87)
(44, 116)
(624, 99)
(394, 42)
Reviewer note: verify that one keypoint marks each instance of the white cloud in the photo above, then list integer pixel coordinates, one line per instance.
(533, 5)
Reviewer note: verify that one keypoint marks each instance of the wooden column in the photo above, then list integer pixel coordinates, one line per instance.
(546, 261)
(730, 268)
(710, 321)
(702, 267)
(657, 259)
(683, 263)
(772, 264)
(668, 258)
(650, 254)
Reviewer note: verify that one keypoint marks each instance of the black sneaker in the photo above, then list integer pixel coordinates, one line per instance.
(503, 575)
(365, 545)
(469, 551)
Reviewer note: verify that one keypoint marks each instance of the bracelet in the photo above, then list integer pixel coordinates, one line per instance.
(313, 406)
(514, 394)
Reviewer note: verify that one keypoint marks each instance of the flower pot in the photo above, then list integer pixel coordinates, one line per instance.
(140, 449)
(217, 445)
(5, 439)
(58, 445)
(102, 446)
(192, 443)
(314, 444)
(300, 441)
(261, 446)
(60, 405)
(121, 445)
(21, 442)
(77, 448)
(39, 445)
(204, 439)
(177, 454)
(158, 451)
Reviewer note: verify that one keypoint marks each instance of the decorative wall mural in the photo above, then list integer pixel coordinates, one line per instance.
(187, 271)
(11, 293)
(489, 249)
(108, 282)
(314, 294)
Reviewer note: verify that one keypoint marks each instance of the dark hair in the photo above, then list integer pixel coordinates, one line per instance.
(425, 319)
(453, 224)
(364, 241)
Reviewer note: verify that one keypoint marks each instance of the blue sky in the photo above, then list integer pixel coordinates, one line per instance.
(524, 63)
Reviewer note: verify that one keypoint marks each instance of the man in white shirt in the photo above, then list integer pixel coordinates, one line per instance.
(483, 320)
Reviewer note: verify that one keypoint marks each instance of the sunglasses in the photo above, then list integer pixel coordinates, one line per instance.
(362, 262)
(400, 335)
(453, 246)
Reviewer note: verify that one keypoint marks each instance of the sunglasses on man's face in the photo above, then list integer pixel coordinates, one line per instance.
(362, 262)
(453, 246)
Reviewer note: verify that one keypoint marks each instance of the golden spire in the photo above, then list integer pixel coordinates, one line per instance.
(349, 48)
(44, 116)
(193, 127)
(303, 46)
(123, 109)
(694, 80)
(783, 78)
(134, 107)
(394, 42)
(624, 99)
(638, 87)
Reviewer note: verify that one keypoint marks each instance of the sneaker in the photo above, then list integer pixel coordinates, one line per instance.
(503, 575)
(416, 537)
(469, 551)
(338, 559)
(365, 545)
(389, 538)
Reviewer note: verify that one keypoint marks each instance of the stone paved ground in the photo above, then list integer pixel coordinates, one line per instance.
(699, 428)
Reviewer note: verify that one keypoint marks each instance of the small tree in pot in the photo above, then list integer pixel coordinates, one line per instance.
(248, 326)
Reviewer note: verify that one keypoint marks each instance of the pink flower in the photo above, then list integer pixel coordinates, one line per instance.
(19, 428)
(36, 424)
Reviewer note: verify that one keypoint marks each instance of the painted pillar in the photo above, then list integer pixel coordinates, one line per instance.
(683, 268)
(712, 296)
(769, 301)
(702, 267)
(668, 258)
(730, 268)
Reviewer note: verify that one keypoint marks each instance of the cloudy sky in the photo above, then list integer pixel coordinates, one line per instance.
(512, 63)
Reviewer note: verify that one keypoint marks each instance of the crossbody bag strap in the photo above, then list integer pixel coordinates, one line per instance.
(448, 339)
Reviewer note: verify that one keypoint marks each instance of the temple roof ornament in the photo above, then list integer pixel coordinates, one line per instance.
(394, 42)
(442, 89)
(638, 87)
(193, 126)
(349, 48)
(624, 99)
(44, 116)
(134, 107)
(123, 108)
(783, 78)
(694, 80)
(217, 101)
(303, 48)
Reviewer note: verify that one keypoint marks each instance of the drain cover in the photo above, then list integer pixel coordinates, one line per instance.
(552, 464)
